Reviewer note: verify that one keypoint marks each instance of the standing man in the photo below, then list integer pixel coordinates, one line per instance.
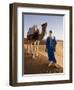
(51, 48)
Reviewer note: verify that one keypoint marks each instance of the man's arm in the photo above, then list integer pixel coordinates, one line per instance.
(55, 43)
(46, 45)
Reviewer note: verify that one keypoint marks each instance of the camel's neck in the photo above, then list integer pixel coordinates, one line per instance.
(43, 33)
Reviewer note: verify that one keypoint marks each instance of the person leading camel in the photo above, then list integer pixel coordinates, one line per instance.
(51, 48)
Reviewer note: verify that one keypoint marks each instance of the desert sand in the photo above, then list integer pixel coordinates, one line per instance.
(40, 63)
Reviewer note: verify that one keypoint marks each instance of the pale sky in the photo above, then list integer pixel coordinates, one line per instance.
(55, 23)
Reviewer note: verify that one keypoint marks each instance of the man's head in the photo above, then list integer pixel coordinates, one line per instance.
(51, 33)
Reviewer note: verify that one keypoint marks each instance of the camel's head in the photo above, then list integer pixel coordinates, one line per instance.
(44, 25)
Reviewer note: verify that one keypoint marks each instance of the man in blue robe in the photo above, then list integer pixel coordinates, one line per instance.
(51, 47)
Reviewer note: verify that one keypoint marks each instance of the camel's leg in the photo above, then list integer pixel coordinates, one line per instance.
(37, 48)
(27, 46)
(34, 50)
(31, 47)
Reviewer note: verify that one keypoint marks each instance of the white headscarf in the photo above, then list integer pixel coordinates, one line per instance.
(52, 36)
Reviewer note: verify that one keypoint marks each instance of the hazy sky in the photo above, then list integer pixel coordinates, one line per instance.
(55, 23)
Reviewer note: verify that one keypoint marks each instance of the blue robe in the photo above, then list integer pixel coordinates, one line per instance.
(51, 45)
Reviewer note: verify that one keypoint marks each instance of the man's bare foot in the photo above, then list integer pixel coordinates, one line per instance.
(50, 63)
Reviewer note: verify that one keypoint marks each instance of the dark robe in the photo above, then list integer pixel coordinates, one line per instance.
(51, 45)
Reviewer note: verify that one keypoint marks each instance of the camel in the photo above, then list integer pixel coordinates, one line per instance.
(35, 38)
